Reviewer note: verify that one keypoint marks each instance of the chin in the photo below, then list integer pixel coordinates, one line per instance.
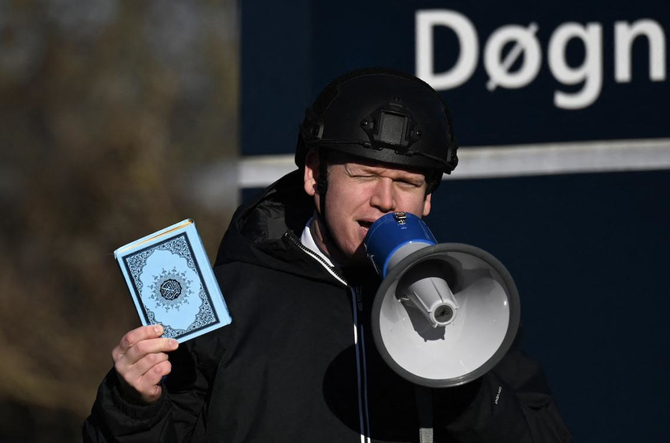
(360, 256)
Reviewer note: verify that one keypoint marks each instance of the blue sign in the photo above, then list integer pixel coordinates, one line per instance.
(525, 73)
(570, 86)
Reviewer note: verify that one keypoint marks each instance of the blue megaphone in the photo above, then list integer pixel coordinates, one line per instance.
(444, 314)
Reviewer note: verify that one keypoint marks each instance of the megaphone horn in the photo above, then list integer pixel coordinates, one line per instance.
(444, 314)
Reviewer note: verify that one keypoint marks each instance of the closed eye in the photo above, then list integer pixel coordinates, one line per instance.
(410, 183)
(364, 177)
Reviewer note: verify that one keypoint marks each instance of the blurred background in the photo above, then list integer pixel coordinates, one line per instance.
(119, 117)
(109, 110)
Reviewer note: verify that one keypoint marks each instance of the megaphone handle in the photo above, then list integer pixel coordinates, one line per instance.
(424, 409)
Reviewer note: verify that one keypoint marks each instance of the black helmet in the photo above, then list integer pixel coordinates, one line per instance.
(383, 115)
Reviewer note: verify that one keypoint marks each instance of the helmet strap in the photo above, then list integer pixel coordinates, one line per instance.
(322, 181)
(321, 188)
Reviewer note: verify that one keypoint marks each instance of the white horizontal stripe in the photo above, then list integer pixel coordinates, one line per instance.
(507, 161)
(563, 158)
(260, 171)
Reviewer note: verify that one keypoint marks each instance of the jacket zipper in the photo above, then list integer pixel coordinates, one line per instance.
(361, 365)
(359, 342)
(323, 263)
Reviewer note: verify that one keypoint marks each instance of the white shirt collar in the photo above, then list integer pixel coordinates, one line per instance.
(307, 240)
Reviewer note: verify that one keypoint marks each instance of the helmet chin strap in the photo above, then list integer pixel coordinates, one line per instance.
(322, 184)
(321, 189)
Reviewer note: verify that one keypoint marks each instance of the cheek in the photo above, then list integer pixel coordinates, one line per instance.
(341, 215)
(415, 204)
(347, 200)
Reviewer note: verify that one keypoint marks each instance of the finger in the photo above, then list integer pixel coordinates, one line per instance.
(148, 388)
(133, 337)
(131, 373)
(136, 335)
(144, 348)
(149, 384)
(152, 346)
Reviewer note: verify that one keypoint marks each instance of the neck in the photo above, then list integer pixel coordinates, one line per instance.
(355, 271)
(325, 242)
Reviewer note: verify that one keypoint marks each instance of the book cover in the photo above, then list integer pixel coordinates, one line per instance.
(172, 283)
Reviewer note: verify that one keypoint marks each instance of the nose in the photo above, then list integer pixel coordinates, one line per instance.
(382, 196)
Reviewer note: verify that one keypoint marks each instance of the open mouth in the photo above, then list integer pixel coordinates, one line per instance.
(364, 224)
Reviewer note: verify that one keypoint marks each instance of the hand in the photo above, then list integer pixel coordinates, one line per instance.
(141, 362)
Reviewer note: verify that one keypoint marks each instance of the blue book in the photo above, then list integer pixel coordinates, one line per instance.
(172, 283)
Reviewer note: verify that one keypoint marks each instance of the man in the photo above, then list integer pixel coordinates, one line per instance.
(298, 362)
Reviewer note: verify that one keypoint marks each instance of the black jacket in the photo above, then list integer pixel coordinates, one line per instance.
(298, 362)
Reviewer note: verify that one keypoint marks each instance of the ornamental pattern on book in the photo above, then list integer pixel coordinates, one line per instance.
(171, 289)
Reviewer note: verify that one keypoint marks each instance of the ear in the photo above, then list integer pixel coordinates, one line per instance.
(426, 205)
(311, 175)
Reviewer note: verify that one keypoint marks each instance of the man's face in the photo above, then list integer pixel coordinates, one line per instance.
(358, 193)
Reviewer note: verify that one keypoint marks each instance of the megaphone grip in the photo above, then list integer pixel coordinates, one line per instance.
(429, 293)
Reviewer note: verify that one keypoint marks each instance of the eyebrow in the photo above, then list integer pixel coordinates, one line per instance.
(412, 176)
